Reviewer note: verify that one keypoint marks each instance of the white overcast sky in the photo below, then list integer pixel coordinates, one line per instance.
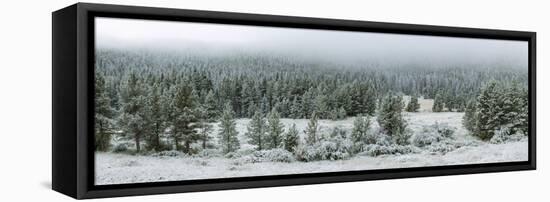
(308, 43)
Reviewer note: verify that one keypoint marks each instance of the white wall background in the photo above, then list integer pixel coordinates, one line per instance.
(25, 100)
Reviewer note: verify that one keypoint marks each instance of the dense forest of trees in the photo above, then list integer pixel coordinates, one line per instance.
(142, 96)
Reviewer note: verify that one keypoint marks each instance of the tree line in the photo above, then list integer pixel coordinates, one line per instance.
(143, 96)
(296, 88)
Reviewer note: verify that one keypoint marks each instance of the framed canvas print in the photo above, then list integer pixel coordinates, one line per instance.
(154, 100)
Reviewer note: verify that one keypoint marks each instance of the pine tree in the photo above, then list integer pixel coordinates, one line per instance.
(469, 120)
(275, 129)
(312, 130)
(487, 109)
(360, 128)
(211, 106)
(247, 101)
(343, 99)
(514, 108)
(184, 117)
(370, 104)
(291, 139)
(256, 131)
(338, 134)
(522, 110)
(356, 101)
(204, 128)
(283, 107)
(295, 109)
(264, 105)
(341, 113)
(321, 106)
(413, 105)
(157, 118)
(500, 105)
(306, 104)
(103, 115)
(390, 116)
(438, 103)
(227, 133)
(133, 118)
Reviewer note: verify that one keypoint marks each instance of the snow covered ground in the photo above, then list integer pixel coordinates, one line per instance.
(123, 168)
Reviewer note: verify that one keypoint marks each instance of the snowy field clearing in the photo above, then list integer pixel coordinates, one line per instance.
(120, 168)
(123, 168)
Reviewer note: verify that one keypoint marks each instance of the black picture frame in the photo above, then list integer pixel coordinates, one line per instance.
(72, 100)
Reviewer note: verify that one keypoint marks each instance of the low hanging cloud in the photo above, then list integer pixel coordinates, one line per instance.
(325, 45)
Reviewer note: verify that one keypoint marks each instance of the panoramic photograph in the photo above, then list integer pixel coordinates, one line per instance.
(177, 101)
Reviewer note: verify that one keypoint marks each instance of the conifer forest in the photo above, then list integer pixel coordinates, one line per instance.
(166, 114)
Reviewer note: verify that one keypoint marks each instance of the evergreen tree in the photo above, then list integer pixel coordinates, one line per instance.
(211, 106)
(333, 115)
(275, 130)
(283, 107)
(157, 118)
(341, 113)
(184, 117)
(295, 109)
(360, 128)
(291, 138)
(321, 106)
(356, 100)
(204, 128)
(370, 104)
(438, 103)
(306, 104)
(514, 108)
(488, 107)
(500, 105)
(390, 116)
(312, 130)
(227, 133)
(469, 120)
(343, 99)
(413, 105)
(256, 131)
(337, 133)
(265, 107)
(133, 118)
(247, 101)
(103, 115)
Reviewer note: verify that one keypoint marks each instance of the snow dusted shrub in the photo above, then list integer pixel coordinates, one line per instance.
(402, 138)
(377, 150)
(372, 138)
(195, 148)
(275, 155)
(500, 136)
(381, 139)
(240, 153)
(231, 155)
(120, 148)
(171, 153)
(246, 159)
(209, 153)
(432, 135)
(504, 135)
(444, 130)
(334, 148)
(425, 138)
(272, 155)
(441, 147)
